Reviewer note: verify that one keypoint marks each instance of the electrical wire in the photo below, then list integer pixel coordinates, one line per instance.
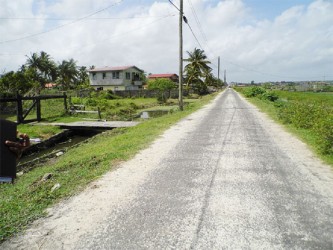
(186, 21)
(127, 32)
(197, 21)
(175, 6)
(61, 26)
(193, 32)
(69, 19)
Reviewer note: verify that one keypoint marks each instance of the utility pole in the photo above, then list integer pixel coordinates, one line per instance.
(218, 68)
(181, 55)
(225, 77)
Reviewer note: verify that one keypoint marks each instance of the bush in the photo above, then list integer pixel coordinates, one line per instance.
(313, 116)
(110, 95)
(254, 91)
(91, 102)
(324, 131)
(301, 114)
(270, 96)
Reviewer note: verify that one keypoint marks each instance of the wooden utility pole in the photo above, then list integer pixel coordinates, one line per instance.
(181, 56)
(218, 68)
(225, 77)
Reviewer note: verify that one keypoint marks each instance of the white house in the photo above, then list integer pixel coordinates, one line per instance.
(116, 78)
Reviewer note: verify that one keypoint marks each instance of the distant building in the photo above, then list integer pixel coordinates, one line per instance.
(116, 78)
(172, 77)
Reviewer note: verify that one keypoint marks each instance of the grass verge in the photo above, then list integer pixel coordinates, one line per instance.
(27, 200)
(306, 135)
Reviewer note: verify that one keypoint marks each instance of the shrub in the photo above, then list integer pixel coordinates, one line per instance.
(91, 102)
(110, 95)
(324, 131)
(301, 114)
(253, 91)
(270, 96)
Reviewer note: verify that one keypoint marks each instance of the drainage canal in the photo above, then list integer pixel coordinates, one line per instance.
(54, 146)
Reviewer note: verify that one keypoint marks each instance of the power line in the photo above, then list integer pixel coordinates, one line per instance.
(71, 19)
(74, 48)
(186, 21)
(61, 26)
(128, 32)
(197, 20)
(175, 6)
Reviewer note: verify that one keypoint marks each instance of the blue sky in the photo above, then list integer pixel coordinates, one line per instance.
(269, 9)
(260, 40)
(261, 9)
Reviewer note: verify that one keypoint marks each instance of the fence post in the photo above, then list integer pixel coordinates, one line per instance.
(39, 117)
(65, 101)
(99, 113)
(19, 108)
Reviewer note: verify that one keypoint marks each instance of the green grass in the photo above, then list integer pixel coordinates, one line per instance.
(326, 97)
(38, 131)
(27, 200)
(308, 136)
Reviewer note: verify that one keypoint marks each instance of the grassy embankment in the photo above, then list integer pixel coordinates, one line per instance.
(27, 200)
(307, 115)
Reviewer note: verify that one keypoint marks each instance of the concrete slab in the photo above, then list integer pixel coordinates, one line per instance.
(94, 124)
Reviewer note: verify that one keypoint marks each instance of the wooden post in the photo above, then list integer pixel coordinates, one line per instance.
(99, 113)
(39, 117)
(19, 108)
(65, 101)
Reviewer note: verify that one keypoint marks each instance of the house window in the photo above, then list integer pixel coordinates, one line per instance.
(104, 75)
(94, 76)
(135, 76)
(115, 75)
(128, 75)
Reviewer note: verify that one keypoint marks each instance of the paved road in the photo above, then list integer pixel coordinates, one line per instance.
(224, 178)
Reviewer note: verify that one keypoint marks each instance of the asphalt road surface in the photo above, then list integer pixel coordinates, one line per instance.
(225, 177)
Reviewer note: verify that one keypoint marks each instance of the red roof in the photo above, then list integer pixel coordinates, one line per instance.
(50, 85)
(162, 75)
(118, 68)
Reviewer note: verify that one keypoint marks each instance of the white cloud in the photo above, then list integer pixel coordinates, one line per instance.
(298, 42)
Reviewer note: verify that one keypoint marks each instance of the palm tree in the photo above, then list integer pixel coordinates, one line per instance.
(68, 74)
(197, 70)
(44, 67)
(82, 75)
(33, 61)
(47, 66)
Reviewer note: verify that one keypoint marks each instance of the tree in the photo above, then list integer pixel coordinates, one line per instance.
(44, 67)
(197, 70)
(83, 77)
(20, 82)
(161, 85)
(212, 81)
(68, 74)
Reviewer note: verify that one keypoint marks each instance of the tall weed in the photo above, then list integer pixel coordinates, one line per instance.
(324, 131)
(314, 116)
